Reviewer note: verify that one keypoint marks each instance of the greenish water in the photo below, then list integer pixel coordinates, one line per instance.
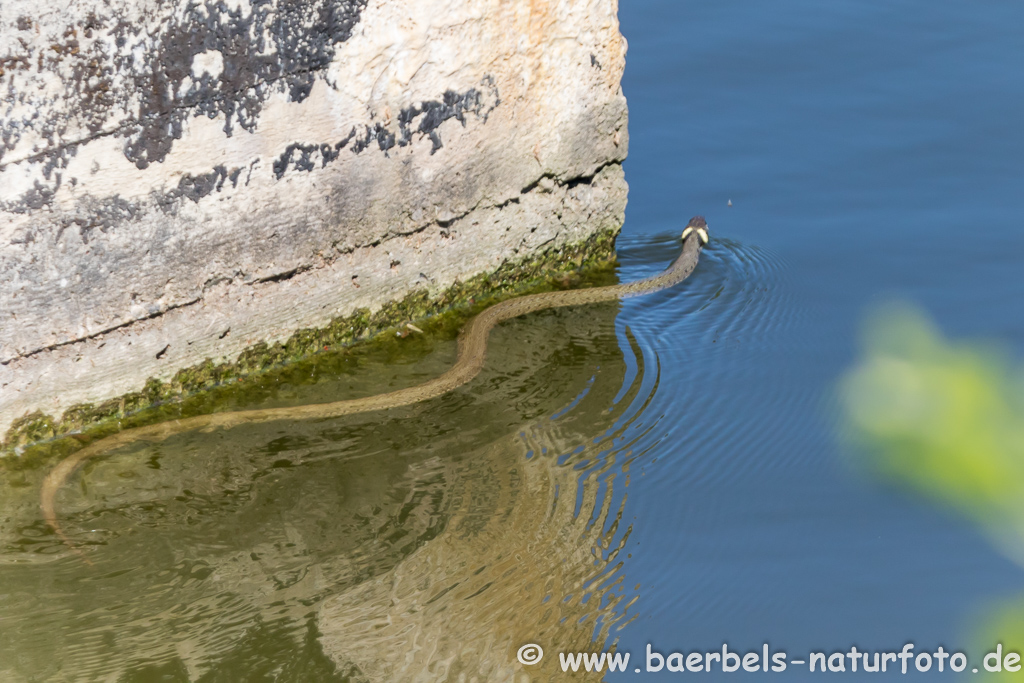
(373, 547)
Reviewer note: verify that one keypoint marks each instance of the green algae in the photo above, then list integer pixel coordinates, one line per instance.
(207, 387)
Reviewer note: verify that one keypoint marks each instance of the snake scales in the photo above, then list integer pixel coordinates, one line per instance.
(470, 359)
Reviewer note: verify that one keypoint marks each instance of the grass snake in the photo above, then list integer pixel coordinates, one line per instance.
(471, 354)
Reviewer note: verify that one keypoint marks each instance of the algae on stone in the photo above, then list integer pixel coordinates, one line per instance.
(38, 438)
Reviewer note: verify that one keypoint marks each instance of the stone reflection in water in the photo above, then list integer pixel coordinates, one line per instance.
(517, 563)
(425, 544)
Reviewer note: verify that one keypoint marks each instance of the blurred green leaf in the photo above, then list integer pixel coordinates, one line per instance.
(1003, 625)
(944, 418)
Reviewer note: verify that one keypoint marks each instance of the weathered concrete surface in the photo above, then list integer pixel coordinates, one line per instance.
(180, 180)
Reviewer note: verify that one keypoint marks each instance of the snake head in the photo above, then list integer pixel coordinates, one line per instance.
(700, 226)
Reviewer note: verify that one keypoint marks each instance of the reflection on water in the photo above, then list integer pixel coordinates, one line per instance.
(427, 543)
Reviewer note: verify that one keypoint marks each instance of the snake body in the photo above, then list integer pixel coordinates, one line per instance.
(472, 351)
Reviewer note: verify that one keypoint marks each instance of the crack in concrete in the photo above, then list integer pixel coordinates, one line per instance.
(287, 275)
(99, 333)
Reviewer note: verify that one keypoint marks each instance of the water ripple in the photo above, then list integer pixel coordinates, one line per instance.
(721, 329)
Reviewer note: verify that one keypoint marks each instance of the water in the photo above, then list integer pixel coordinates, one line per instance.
(870, 150)
(667, 470)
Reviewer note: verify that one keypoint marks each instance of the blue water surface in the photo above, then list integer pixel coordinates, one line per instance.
(870, 151)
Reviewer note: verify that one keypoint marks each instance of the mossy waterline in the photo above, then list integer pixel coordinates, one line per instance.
(38, 439)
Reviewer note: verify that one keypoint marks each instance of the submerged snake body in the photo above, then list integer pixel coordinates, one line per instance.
(470, 359)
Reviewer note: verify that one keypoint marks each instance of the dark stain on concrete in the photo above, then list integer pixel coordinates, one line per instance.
(421, 120)
(195, 187)
(35, 199)
(378, 133)
(304, 157)
(109, 61)
(94, 214)
(277, 46)
(274, 46)
(452, 105)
